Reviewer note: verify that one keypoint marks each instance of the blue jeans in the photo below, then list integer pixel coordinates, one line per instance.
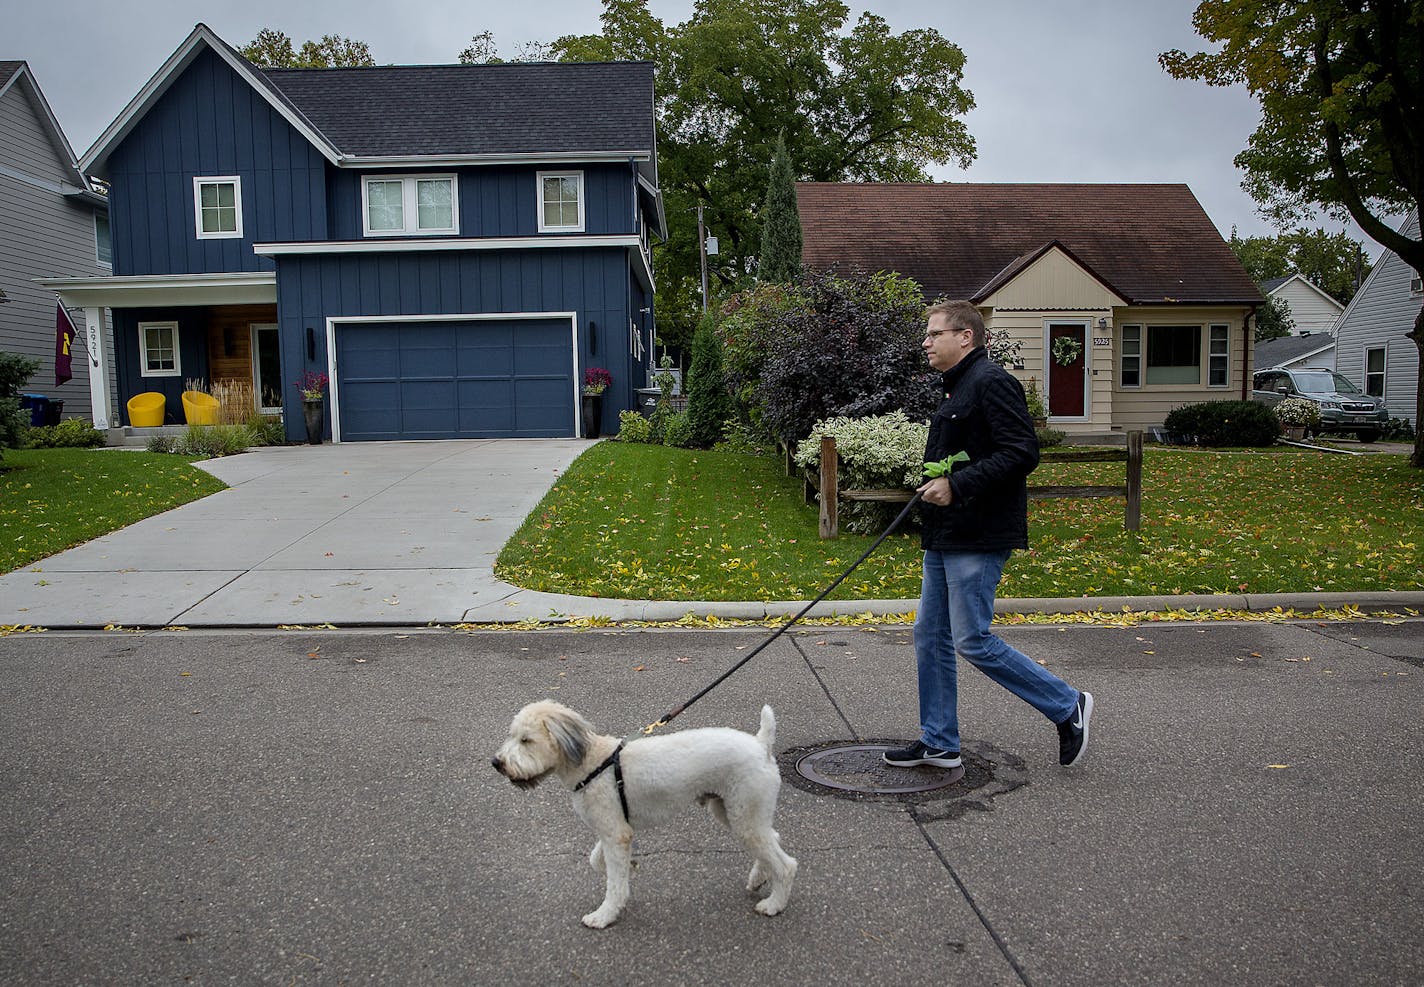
(956, 608)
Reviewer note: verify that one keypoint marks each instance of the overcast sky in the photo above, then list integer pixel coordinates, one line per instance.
(1066, 91)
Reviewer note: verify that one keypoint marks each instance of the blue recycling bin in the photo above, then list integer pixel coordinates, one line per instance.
(38, 406)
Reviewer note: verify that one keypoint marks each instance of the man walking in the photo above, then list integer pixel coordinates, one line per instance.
(973, 518)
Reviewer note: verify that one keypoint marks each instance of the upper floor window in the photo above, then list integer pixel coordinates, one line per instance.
(158, 350)
(103, 245)
(217, 207)
(409, 205)
(560, 201)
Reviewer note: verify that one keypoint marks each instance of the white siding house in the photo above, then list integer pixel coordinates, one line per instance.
(53, 223)
(1371, 345)
(1311, 308)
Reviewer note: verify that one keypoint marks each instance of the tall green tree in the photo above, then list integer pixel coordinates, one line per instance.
(1273, 320)
(273, 49)
(855, 101)
(1341, 88)
(780, 257)
(709, 403)
(1334, 262)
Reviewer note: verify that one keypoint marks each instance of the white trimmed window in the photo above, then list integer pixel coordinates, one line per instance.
(560, 201)
(217, 207)
(410, 205)
(1374, 371)
(1130, 374)
(103, 243)
(1218, 366)
(158, 350)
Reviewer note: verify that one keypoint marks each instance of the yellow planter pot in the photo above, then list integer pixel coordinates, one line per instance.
(146, 409)
(200, 408)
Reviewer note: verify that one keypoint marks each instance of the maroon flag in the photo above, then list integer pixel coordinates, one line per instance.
(63, 344)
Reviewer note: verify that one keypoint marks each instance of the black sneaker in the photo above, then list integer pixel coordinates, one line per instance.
(1073, 732)
(921, 753)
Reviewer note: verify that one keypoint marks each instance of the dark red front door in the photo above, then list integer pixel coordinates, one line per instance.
(1065, 381)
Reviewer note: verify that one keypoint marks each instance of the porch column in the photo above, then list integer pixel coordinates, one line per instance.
(99, 399)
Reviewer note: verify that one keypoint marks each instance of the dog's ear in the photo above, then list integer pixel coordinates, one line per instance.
(569, 732)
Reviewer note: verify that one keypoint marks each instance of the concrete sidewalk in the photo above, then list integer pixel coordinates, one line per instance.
(318, 808)
(398, 534)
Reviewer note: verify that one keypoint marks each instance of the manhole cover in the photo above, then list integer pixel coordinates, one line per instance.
(861, 768)
(855, 770)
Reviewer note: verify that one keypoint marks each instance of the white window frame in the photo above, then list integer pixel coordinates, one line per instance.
(1224, 356)
(1124, 356)
(539, 178)
(198, 182)
(1383, 371)
(410, 204)
(98, 255)
(143, 367)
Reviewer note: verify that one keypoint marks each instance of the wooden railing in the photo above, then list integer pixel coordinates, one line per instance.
(826, 481)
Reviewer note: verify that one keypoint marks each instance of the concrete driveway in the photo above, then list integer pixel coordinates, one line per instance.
(355, 533)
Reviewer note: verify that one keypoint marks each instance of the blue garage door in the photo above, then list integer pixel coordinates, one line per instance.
(455, 380)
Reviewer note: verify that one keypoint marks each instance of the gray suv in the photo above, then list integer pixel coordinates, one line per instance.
(1344, 407)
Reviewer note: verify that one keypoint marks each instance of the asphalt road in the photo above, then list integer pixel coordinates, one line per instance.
(318, 808)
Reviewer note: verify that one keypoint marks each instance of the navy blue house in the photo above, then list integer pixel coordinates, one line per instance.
(453, 245)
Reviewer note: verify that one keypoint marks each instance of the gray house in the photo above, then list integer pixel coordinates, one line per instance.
(1371, 345)
(53, 223)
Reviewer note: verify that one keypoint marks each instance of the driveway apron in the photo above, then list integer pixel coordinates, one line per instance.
(349, 534)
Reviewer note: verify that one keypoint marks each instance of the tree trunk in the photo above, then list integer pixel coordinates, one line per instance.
(1417, 334)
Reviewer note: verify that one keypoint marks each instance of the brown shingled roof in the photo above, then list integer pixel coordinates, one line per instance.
(1153, 244)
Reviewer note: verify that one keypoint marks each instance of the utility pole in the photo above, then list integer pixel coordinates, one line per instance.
(702, 251)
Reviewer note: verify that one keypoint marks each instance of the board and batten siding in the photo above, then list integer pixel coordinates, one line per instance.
(43, 234)
(592, 282)
(1381, 314)
(495, 201)
(211, 123)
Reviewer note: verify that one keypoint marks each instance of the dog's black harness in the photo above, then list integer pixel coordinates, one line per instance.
(616, 761)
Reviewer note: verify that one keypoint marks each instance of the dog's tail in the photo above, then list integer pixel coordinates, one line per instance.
(767, 734)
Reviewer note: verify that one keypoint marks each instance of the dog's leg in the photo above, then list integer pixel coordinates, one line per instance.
(595, 858)
(751, 822)
(617, 860)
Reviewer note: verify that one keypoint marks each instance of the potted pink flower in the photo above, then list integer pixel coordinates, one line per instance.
(312, 386)
(596, 380)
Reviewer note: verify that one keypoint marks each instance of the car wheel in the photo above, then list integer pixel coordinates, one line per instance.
(1369, 434)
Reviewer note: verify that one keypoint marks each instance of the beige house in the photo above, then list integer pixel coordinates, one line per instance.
(1125, 300)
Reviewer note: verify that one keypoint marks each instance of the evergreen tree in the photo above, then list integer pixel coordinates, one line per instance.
(780, 259)
(708, 403)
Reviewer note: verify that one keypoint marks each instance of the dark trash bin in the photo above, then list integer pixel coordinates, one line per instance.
(38, 405)
(53, 411)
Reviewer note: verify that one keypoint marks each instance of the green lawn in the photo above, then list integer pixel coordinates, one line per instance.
(649, 522)
(53, 499)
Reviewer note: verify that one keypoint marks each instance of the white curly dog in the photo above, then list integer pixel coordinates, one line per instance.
(619, 788)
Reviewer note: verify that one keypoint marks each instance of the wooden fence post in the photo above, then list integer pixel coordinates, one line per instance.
(1132, 515)
(830, 492)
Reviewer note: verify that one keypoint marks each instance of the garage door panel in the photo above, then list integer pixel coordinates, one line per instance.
(475, 379)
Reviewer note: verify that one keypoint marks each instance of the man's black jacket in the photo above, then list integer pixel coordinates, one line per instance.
(983, 413)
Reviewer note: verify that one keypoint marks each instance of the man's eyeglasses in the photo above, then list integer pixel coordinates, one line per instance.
(936, 333)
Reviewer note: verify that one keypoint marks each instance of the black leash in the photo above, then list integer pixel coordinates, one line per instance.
(668, 717)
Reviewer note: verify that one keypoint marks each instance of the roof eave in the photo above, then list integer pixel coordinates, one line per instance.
(95, 160)
(454, 160)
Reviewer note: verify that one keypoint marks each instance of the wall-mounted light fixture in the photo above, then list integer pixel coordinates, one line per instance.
(1102, 322)
(311, 343)
(228, 343)
(592, 337)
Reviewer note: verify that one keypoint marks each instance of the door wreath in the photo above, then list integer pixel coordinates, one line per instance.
(1066, 350)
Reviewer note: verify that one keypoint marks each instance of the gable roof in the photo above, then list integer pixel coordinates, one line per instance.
(17, 74)
(1274, 285)
(1152, 244)
(1021, 263)
(1287, 349)
(445, 114)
